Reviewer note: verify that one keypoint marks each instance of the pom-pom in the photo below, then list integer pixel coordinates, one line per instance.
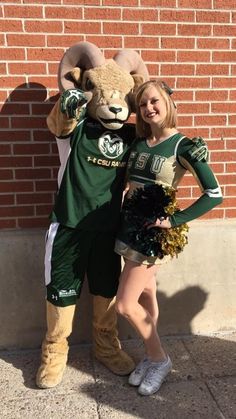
(143, 207)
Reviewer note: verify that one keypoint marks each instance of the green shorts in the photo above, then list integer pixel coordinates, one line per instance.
(73, 254)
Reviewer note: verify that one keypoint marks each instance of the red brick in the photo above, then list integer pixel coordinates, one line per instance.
(195, 4)
(29, 122)
(230, 191)
(82, 27)
(18, 211)
(61, 41)
(224, 82)
(224, 30)
(136, 41)
(15, 109)
(176, 16)
(63, 12)
(211, 94)
(5, 149)
(43, 209)
(213, 43)
(142, 15)
(231, 167)
(229, 4)
(193, 108)
(31, 149)
(46, 185)
(6, 174)
(38, 222)
(8, 199)
(23, 11)
(223, 132)
(193, 83)
(230, 213)
(177, 69)
(210, 120)
(106, 42)
(12, 82)
(35, 198)
(212, 16)
(11, 25)
(16, 186)
(12, 54)
(161, 3)
(212, 69)
(158, 55)
(178, 43)
(122, 28)
(102, 13)
(15, 161)
(118, 3)
(32, 173)
(194, 30)
(23, 40)
(27, 68)
(224, 56)
(193, 56)
(7, 224)
(12, 135)
(88, 2)
(43, 26)
(158, 29)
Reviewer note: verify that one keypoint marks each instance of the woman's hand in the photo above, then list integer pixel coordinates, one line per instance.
(161, 223)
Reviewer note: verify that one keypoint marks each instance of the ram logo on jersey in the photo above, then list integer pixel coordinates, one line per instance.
(111, 145)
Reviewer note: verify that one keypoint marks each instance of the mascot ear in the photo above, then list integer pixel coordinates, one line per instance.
(138, 80)
(76, 75)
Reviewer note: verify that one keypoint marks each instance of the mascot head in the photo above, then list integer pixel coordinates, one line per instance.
(110, 84)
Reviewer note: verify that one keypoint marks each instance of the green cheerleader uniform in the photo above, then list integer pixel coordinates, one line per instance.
(166, 163)
(86, 214)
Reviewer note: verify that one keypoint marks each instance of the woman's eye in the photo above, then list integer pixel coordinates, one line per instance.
(141, 105)
(154, 100)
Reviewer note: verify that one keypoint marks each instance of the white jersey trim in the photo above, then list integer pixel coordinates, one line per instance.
(51, 234)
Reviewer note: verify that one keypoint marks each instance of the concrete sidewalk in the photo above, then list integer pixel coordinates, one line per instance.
(201, 385)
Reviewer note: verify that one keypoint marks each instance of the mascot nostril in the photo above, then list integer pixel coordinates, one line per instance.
(115, 110)
(94, 145)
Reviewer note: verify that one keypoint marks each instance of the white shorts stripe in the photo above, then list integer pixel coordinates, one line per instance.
(52, 231)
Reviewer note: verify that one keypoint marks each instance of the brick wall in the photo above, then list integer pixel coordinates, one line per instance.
(189, 44)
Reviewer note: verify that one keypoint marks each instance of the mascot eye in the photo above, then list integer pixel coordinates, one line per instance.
(89, 84)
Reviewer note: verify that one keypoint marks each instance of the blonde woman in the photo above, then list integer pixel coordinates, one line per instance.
(161, 156)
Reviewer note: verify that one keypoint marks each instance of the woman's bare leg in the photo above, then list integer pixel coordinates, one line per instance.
(148, 300)
(133, 281)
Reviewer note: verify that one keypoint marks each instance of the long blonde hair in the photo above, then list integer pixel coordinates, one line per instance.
(142, 128)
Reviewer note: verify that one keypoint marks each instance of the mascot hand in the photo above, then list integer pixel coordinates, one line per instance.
(71, 100)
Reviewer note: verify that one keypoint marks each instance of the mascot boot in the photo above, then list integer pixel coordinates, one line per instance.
(55, 345)
(106, 345)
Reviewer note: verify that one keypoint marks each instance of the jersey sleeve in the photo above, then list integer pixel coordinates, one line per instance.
(208, 184)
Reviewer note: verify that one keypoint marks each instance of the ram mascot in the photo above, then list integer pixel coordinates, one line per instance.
(94, 140)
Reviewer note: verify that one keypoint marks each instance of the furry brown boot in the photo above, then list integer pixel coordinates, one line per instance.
(55, 345)
(106, 345)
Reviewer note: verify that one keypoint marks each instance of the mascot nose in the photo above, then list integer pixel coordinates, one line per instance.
(115, 110)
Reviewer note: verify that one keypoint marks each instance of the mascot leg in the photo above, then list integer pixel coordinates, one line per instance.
(106, 345)
(55, 345)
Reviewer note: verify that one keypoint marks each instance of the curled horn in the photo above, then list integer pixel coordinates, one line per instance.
(84, 55)
(132, 62)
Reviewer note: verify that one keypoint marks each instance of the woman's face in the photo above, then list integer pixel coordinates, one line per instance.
(152, 106)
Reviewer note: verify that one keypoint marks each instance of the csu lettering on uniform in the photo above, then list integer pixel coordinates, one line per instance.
(156, 164)
(107, 163)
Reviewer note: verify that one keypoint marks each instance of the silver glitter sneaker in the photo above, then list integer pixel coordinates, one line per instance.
(138, 374)
(154, 377)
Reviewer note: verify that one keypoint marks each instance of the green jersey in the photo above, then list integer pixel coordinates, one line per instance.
(90, 192)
